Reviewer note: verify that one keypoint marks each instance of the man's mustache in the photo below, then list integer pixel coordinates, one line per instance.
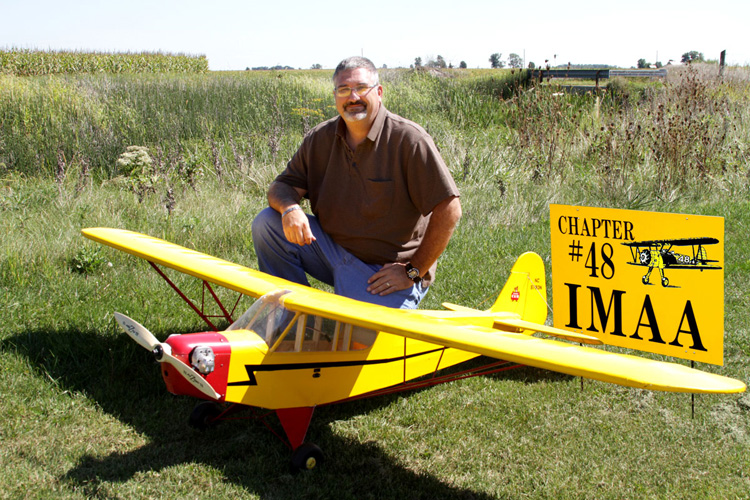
(356, 103)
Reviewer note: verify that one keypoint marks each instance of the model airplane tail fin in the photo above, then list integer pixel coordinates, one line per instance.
(525, 292)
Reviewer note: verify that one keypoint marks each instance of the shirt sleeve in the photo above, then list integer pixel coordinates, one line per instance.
(296, 172)
(429, 180)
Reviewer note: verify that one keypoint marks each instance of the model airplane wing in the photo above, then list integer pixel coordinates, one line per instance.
(478, 338)
(631, 371)
(199, 265)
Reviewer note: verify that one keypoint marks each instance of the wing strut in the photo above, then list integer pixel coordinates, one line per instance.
(200, 311)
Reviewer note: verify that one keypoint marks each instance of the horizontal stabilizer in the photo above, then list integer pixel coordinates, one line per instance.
(549, 330)
(513, 323)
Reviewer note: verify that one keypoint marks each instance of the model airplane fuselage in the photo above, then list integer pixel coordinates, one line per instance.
(274, 358)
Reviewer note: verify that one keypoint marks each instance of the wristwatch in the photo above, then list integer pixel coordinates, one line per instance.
(413, 273)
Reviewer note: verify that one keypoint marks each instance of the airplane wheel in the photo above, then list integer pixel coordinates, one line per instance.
(644, 279)
(204, 414)
(306, 457)
(665, 281)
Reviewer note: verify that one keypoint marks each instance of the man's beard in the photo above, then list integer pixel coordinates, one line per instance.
(356, 116)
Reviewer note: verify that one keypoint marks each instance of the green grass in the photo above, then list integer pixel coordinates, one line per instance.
(84, 413)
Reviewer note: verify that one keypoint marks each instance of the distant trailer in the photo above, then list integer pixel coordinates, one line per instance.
(596, 74)
(639, 73)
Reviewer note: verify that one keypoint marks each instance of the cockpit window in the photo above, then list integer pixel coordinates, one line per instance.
(267, 317)
(285, 331)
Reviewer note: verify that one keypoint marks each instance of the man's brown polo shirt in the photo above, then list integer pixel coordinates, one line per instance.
(375, 201)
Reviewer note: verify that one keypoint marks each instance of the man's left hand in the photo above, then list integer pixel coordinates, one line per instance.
(391, 278)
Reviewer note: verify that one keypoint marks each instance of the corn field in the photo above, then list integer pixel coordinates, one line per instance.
(25, 62)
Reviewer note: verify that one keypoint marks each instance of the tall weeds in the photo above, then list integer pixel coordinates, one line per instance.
(632, 143)
(625, 146)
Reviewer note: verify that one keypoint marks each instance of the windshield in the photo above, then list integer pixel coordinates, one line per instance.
(267, 317)
(287, 331)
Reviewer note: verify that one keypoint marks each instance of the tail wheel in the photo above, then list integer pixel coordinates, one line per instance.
(306, 457)
(665, 281)
(204, 415)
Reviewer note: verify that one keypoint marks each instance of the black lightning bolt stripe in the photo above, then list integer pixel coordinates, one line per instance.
(251, 369)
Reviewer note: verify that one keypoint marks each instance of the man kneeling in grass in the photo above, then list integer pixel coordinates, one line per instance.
(384, 204)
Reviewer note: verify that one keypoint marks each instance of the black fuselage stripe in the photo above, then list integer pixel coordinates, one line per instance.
(251, 369)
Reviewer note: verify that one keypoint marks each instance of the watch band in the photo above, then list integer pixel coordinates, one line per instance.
(413, 273)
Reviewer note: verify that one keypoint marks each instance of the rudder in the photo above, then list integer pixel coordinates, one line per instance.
(525, 292)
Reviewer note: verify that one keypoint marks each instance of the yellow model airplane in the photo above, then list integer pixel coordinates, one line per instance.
(297, 348)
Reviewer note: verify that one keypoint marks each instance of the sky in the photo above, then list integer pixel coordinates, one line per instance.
(237, 34)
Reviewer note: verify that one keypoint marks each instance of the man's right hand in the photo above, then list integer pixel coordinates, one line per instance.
(285, 199)
(297, 227)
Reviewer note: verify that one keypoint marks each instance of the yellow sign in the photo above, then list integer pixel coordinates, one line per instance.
(641, 280)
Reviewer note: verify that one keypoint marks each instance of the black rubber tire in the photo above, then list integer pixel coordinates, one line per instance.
(204, 415)
(306, 457)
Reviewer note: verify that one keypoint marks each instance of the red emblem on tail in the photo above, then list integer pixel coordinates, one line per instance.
(515, 295)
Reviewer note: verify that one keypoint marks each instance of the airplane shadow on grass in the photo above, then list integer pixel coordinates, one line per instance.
(124, 381)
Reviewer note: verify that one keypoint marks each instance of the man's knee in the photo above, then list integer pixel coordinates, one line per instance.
(263, 223)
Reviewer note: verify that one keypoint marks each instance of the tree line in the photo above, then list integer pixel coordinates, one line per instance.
(514, 61)
(687, 58)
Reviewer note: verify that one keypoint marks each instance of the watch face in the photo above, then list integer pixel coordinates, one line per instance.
(412, 272)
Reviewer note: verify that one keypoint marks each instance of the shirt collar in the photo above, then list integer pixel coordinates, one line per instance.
(377, 125)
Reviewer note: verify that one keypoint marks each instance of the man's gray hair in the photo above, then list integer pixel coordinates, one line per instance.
(356, 62)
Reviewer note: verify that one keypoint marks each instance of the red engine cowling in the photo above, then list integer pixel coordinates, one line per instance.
(182, 347)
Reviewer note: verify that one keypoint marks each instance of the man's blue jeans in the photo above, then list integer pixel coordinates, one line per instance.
(324, 260)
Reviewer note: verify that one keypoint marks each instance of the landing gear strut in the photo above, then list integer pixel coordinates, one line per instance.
(295, 421)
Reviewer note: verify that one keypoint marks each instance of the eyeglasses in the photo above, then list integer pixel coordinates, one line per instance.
(361, 90)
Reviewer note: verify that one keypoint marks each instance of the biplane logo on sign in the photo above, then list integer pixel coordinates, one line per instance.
(642, 280)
